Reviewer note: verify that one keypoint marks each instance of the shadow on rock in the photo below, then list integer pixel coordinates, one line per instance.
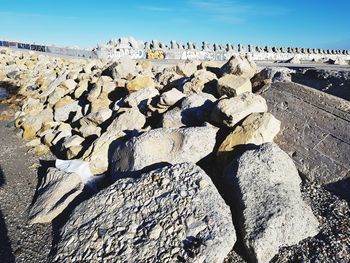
(62, 219)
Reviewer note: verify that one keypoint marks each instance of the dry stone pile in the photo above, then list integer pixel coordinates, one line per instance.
(146, 129)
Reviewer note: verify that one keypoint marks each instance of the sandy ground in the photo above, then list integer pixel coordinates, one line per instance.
(19, 242)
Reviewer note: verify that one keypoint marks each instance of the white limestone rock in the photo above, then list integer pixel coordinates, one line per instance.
(194, 110)
(57, 190)
(229, 111)
(98, 154)
(239, 65)
(232, 85)
(170, 214)
(161, 146)
(269, 209)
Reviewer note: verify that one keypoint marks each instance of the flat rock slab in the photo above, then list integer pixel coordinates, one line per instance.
(315, 130)
(56, 191)
(168, 215)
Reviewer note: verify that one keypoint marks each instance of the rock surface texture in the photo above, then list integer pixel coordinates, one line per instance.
(158, 217)
(55, 193)
(161, 146)
(316, 137)
(267, 202)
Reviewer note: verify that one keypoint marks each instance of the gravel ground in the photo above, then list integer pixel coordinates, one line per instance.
(19, 242)
(332, 244)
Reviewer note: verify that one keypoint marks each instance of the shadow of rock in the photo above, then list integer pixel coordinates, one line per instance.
(10, 87)
(340, 189)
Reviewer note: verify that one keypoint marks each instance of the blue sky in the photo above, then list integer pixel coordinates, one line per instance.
(308, 23)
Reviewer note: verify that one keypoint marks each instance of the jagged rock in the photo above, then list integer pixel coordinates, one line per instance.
(55, 95)
(56, 191)
(197, 84)
(33, 143)
(53, 132)
(186, 69)
(239, 65)
(30, 127)
(168, 78)
(193, 111)
(100, 104)
(49, 84)
(229, 111)
(159, 216)
(98, 154)
(125, 68)
(140, 98)
(163, 146)
(270, 75)
(257, 128)
(337, 61)
(81, 88)
(39, 150)
(269, 209)
(169, 98)
(66, 109)
(211, 65)
(98, 117)
(140, 82)
(232, 85)
(101, 89)
(73, 145)
(32, 106)
(293, 60)
(69, 85)
(88, 128)
(94, 93)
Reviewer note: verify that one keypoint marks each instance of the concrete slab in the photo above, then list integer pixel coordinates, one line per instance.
(315, 130)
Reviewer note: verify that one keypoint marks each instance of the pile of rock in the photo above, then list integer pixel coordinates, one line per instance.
(149, 128)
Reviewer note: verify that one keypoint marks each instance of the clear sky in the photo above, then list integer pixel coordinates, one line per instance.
(307, 23)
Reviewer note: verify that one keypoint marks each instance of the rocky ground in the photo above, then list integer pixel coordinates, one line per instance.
(19, 241)
(157, 163)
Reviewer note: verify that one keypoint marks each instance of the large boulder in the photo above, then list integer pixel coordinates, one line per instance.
(230, 111)
(157, 217)
(239, 65)
(67, 109)
(55, 193)
(257, 128)
(270, 75)
(268, 205)
(160, 146)
(194, 110)
(30, 127)
(232, 85)
(98, 154)
(186, 69)
(141, 97)
(200, 79)
(140, 82)
(167, 99)
(125, 68)
(72, 145)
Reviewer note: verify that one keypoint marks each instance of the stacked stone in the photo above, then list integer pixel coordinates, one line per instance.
(151, 131)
